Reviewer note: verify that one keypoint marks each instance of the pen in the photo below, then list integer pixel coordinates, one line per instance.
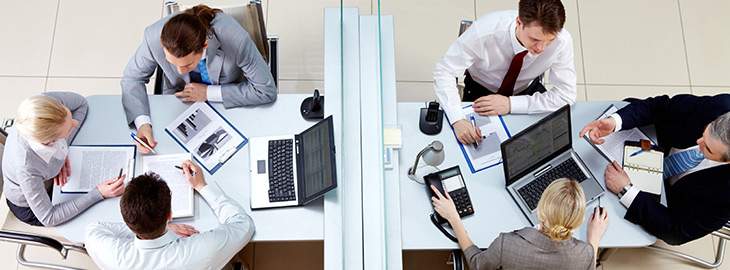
(120, 173)
(176, 166)
(637, 152)
(142, 143)
(474, 123)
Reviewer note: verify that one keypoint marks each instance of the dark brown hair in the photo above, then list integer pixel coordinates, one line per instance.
(187, 32)
(550, 14)
(145, 205)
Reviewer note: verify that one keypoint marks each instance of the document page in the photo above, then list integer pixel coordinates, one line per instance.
(91, 165)
(613, 147)
(487, 153)
(183, 194)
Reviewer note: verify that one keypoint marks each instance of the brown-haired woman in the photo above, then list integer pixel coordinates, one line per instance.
(204, 55)
(551, 246)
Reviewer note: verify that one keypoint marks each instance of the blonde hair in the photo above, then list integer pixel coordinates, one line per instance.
(561, 208)
(40, 117)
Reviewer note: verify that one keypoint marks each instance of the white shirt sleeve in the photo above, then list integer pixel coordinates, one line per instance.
(617, 119)
(236, 227)
(460, 56)
(563, 80)
(141, 120)
(629, 197)
(214, 93)
(104, 240)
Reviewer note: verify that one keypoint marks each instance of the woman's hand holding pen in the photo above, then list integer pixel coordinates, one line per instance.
(112, 187)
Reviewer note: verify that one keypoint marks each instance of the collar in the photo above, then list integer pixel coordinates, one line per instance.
(158, 242)
(46, 152)
(205, 54)
(540, 240)
(516, 46)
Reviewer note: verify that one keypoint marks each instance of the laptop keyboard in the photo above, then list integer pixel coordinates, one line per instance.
(532, 191)
(281, 171)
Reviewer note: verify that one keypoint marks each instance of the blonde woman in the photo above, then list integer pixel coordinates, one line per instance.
(36, 151)
(550, 246)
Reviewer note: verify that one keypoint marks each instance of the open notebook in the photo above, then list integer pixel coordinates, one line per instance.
(644, 169)
(183, 195)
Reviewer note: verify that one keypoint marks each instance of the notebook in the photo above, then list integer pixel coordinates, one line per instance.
(645, 169)
(183, 195)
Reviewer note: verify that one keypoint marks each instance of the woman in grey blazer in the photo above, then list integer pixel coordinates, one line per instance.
(549, 246)
(36, 151)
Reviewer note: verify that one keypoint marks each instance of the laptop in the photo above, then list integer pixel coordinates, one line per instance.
(540, 154)
(293, 170)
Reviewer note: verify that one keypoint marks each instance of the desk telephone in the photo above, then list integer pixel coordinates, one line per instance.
(450, 180)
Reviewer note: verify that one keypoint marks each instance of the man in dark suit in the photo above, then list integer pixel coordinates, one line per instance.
(694, 132)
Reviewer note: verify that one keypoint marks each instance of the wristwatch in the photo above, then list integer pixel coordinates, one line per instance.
(625, 189)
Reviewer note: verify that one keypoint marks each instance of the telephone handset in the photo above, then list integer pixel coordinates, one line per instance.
(451, 181)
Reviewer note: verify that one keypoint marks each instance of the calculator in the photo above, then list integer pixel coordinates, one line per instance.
(452, 182)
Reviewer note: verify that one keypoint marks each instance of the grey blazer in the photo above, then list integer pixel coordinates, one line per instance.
(24, 171)
(232, 61)
(528, 248)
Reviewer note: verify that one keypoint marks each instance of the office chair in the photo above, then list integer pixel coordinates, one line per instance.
(15, 231)
(251, 18)
(722, 236)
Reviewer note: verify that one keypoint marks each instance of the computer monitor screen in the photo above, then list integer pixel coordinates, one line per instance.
(536, 144)
(317, 157)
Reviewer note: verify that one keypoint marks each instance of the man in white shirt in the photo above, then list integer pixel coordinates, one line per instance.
(695, 135)
(149, 242)
(504, 55)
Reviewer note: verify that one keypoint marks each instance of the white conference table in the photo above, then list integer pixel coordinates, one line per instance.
(495, 210)
(105, 124)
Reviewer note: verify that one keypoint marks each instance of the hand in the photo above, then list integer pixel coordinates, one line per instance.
(62, 176)
(492, 105)
(193, 174)
(193, 92)
(182, 230)
(112, 187)
(598, 129)
(597, 226)
(466, 132)
(616, 177)
(444, 206)
(144, 133)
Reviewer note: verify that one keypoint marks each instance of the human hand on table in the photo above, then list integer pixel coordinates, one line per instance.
(193, 92)
(492, 105)
(112, 187)
(63, 175)
(616, 177)
(466, 132)
(144, 133)
(182, 230)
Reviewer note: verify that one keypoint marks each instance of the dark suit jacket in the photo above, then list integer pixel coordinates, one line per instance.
(699, 203)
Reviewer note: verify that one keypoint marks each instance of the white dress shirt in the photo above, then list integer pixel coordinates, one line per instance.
(628, 198)
(487, 49)
(214, 95)
(114, 246)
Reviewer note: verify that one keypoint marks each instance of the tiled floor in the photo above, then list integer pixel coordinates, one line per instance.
(656, 47)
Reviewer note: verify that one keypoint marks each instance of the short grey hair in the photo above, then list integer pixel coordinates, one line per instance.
(720, 129)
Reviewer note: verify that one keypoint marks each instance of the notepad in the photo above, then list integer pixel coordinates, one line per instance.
(93, 164)
(644, 169)
(183, 195)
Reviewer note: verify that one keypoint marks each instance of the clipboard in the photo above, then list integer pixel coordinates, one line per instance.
(471, 165)
(625, 135)
(227, 153)
(645, 166)
(128, 169)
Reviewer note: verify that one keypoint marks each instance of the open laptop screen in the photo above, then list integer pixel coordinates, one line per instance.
(536, 144)
(317, 158)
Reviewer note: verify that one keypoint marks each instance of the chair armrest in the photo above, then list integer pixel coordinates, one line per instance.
(30, 239)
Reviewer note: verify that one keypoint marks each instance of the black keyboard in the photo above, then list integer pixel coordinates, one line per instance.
(531, 192)
(281, 171)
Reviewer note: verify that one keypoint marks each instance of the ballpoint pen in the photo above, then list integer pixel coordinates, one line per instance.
(120, 173)
(176, 166)
(474, 123)
(142, 143)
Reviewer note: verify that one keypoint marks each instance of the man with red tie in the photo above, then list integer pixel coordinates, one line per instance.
(504, 55)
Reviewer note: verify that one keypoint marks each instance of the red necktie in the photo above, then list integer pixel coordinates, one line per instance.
(508, 83)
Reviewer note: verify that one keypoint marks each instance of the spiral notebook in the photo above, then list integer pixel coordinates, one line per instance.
(645, 168)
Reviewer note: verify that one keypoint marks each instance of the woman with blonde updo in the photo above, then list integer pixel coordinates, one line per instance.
(36, 153)
(549, 246)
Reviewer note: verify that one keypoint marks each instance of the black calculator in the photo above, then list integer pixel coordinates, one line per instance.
(451, 180)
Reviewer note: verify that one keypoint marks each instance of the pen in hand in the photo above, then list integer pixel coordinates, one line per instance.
(474, 123)
(177, 166)
(142, 143)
